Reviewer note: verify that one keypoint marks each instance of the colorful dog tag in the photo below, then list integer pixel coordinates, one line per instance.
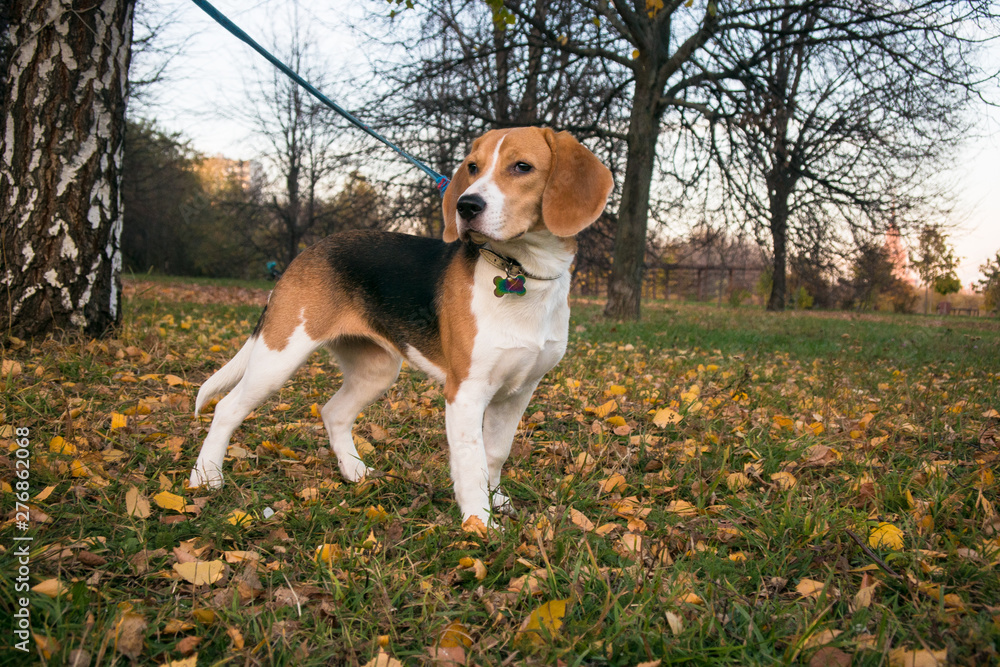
(513, 285)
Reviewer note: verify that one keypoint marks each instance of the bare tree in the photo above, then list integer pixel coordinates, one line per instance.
(63, 88)
(842, 122)
(301, 135)
(459, 73)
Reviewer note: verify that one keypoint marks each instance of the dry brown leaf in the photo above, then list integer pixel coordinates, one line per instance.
(237, 638)
(130, 634)
(383, 659)
(475, 526)
(900, 657)
(136, 504)
(580, 519)
(810, 588)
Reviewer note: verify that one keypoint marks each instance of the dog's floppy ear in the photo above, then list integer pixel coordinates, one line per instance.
(457, 185)
(578, 186)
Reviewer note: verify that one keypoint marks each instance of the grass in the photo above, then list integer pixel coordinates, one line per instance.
(702, 553)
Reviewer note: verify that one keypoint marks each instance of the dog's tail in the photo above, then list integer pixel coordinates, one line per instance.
(226, 377)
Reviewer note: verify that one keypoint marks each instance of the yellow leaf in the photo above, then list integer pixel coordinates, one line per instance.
(173, 380)
(383, 659)
(239, 518)
(616, 420)
(169, 501)
(190, 661)
(45, 493)
(314, 410)
(78, 469)
(118, 420)
(886, 536)
(47, 645)
(666, 416)
(784, 480)
(200, 573)
(614, 483)
(543, 622)
(603, 411)
(615, 390)
(377, 514)
(364, 447)
(50, 587)
(738, 557)
(136, 504)
(58, 445)
(900, 657)
(737, 481)
(327, 553)
(454, 635)
(681, 507)
(204, 615)
(810, 588)
(176, 626)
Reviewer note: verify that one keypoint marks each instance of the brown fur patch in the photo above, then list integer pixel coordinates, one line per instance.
(458, 325)
(309, 292)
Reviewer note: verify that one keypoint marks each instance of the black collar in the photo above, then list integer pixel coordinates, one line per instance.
(510, 265)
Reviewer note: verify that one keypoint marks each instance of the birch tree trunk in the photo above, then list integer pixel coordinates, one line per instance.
(63, 97)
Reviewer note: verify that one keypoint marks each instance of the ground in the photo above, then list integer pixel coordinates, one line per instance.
(710, 486)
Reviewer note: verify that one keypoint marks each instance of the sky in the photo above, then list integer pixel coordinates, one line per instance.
(205, 83)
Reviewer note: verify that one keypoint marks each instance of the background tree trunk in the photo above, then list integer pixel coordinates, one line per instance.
(625, 284)
(63, 98)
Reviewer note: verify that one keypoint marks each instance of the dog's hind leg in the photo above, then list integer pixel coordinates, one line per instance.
(368, 370)
(266, 371)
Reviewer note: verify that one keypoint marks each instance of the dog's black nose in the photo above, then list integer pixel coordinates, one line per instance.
(469, 206)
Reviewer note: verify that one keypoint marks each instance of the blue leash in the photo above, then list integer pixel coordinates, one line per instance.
(221, 19)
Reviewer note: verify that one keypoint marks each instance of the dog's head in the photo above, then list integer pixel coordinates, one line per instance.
(524, 179)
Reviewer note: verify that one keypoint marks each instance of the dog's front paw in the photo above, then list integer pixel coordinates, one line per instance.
(202, 476)
(502, 504)
(354, 471)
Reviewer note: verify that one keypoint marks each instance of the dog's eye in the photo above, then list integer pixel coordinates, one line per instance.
(522, 167)
(473, 168)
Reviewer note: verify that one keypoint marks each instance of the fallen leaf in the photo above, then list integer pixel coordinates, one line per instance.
(475, 526)
(50, 587)
(900, 657)
(680, 507)
(666, 416)
(784, 480)
(810, 588)
(614, 483)
(200, 573)
(383, 659)
(190, 661)
(136, 504)
(886, 536)
(580, 520)
(130, 634)
(542, 623)
(169, 501)
(237, 638)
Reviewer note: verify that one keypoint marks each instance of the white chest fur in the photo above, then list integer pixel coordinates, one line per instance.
(518, 338)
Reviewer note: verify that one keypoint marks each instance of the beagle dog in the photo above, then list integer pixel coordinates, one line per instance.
(485, 311)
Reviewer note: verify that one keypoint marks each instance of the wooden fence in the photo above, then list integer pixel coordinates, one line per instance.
(680, 282)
